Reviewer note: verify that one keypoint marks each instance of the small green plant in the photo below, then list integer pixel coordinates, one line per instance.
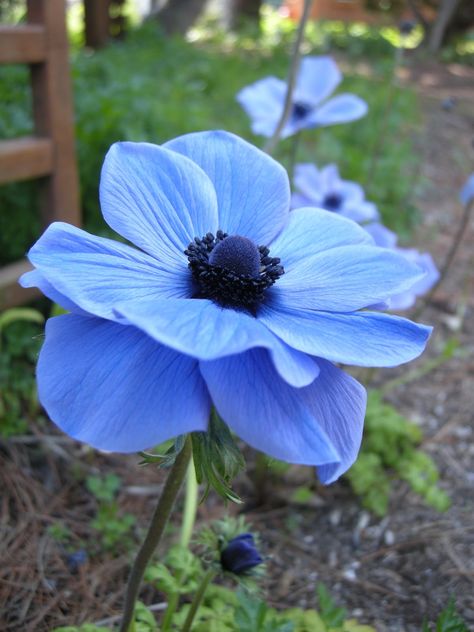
(113, 526)
(389, 450)
(448, 621)
(20, 339)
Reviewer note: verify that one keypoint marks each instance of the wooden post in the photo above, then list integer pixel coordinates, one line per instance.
(97, 22)
(53, 112)
(50, 154)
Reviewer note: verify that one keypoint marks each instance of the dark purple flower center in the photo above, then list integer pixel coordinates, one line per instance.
(231, 270)
(300, 110)
(332, 202)
(240, 555)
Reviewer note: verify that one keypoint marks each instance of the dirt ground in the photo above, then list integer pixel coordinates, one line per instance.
(388, 572)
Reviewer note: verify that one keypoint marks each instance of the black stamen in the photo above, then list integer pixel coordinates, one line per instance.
(332, 202)
(232, 270)
(300, 110)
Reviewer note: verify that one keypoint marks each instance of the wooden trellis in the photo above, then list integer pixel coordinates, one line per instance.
(50, 154)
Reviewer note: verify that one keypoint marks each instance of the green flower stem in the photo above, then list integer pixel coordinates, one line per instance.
(198, 597)
(190, 506)
(189, 517)
(155, 531)
(292, 75)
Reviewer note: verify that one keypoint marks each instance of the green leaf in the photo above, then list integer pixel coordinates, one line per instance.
(20, 313)
(332, 615)
(217, 458)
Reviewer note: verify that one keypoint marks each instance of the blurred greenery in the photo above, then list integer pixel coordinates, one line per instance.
(152, 88)
(389, 451)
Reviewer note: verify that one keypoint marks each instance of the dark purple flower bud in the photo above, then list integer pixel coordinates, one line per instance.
(240, 555)
(406, 27)
(75, 560)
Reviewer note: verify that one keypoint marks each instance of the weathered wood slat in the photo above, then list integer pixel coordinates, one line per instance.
(10, 292)
(22, 44)
(25, 158)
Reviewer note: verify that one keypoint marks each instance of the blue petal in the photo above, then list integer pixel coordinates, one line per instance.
(203, 330)
(359, 338)
(338, 402)
(340, 109)
(317, 78)
(467, 192)
(407, 299)
(345, 279)
(34, 278)
(114, 388)
(308, 181)
(311, 231)
(157, 199)
(264, 411)
(381, 235)
(253, 192)
(96, 273)
(263, 102)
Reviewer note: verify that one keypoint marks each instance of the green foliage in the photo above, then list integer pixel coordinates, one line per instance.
(20, 340)
(388, 450)
(217, 458)
(113, 526)
(448, 621)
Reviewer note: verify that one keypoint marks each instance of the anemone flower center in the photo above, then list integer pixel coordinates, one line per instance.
(332, 202)
(231, 270)
(300, 110)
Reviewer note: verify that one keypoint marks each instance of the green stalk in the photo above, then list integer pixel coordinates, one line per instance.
(189, 517)
(155, 531)
(198, 597)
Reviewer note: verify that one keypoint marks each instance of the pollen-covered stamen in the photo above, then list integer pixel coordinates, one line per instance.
(332, 202)
(232, 270)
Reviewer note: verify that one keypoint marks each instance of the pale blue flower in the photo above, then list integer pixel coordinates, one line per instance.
(251, 323)
(317, 79)
(467, 192)
(325, 189)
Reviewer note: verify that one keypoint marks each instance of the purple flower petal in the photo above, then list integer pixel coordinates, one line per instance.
(359, 338)
(259, 188)
(466, 194)
(344, 279)
(265, 411)
(206, 331)
(342, 108)
(96, 273)
(114, 388)
(318, 77)
(157, 199)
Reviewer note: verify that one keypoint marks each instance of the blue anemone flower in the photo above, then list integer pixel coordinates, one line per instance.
(325, 189)
(227, 299)
(317, 79)
(240, 555)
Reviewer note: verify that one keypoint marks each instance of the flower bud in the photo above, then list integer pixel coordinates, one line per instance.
(240, 555)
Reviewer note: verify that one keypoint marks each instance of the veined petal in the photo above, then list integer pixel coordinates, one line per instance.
(34, 278)
(407, 299)
(307, 181)
(265, 411)
(317, 78)
(115, 388)
(345, 279)
(157, 199)
(338, 402)
(340, 109)
(382, 236)
(263, 102)
(359, 338)
(311, 231)
(253, 192)
(96, 273)
(203, 330)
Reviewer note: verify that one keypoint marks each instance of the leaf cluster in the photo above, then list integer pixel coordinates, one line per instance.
(389, 450)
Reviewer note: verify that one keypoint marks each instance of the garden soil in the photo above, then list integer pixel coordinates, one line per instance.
(390, 572)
